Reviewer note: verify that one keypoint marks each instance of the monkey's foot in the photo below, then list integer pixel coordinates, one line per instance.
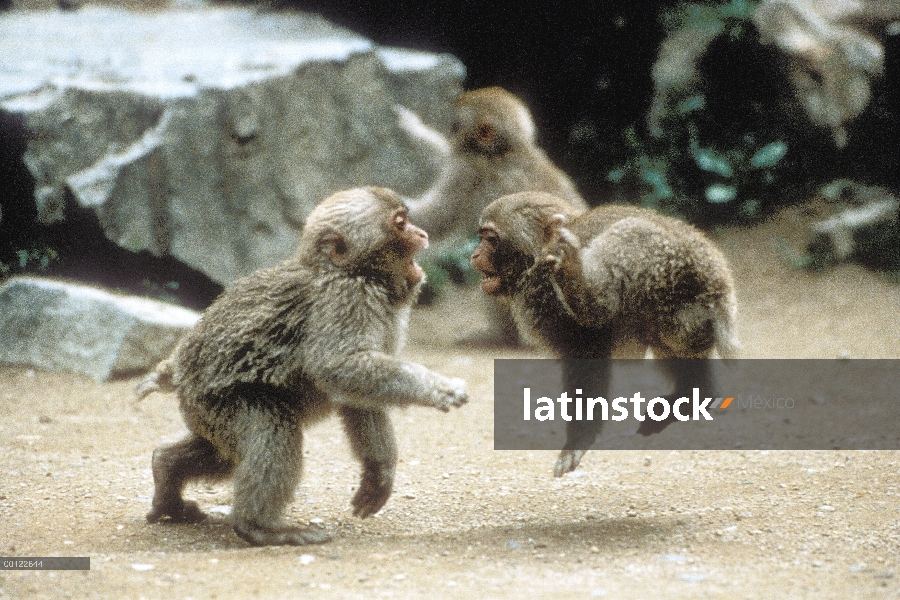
(284, 535)
(371, 496)
(649, 426)
(178, 512)
(567, 462)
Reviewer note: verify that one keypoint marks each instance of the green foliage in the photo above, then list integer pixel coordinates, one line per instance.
(36, 259)
(162, 292)
(709, 162)
(450, 266)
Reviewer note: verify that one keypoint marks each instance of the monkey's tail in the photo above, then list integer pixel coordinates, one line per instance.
(724, 327)
(158, 380)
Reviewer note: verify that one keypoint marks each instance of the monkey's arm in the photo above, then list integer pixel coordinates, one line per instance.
(377, 379)
(562, 265)
(445, 208)
(417, 130)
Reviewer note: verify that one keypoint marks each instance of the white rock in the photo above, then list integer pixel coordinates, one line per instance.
(75, 328)
(210, 134)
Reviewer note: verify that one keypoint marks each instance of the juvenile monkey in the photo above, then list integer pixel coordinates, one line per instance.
(288, 345)
(613, 281)
(492, 152)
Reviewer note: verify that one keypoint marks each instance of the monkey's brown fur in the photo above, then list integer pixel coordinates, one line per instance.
(288, 345)
(493, 152)
(615, 280)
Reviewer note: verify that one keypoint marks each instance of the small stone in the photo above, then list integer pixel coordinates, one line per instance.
(306, 559)
(142, 567)
(675, 558)
(826, 508)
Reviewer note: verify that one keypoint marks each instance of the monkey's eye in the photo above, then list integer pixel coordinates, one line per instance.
(400, 221)
(485, 133)
(489, 235)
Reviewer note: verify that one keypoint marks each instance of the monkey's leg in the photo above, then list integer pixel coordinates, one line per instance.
(689, 338)
(591, 378)
(688, 373)
(269, 444)
(174, 465)
(372, 441)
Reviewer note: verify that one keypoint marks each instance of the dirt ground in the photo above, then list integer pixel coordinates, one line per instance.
(466, 521)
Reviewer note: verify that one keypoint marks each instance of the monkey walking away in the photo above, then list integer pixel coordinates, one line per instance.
(492, 152)
(288, 345)
(610, 282)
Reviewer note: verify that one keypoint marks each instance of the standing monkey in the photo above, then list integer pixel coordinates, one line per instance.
(613, 281)
(492, 152)
(288, 345)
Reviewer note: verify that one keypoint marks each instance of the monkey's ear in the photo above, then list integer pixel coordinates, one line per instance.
(335, 246)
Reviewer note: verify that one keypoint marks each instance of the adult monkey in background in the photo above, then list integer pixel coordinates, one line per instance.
(288, 345)
(610, 282)
(492, 151)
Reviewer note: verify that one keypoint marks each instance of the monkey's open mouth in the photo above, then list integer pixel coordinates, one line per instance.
(491, 284)
(414, 273)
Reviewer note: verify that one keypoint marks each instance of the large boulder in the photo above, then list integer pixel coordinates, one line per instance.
(74, 328)
(209, 134)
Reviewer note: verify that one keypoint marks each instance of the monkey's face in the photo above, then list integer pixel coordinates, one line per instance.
(482, 136)
(404, 240)
(514, 231)
(366, 232)
(491, 122)
(500, 262)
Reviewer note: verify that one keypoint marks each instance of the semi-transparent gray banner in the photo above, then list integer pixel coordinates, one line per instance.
(771, 404)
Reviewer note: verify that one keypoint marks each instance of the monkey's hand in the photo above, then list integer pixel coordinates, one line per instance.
(567, 462)
(561, 248)
(450, 392)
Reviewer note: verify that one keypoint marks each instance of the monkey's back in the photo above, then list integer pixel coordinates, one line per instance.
(524, 169)
(249, 335)
(647, 263)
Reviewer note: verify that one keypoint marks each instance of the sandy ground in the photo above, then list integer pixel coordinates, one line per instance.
(466, 521)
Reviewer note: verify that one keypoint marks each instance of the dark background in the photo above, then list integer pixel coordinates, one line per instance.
(584, 64)
(584, 69)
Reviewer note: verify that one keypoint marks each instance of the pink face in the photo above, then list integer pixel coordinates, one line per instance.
(414, 240)
(483, 260)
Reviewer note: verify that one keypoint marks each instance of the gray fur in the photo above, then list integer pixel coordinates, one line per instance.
(610, 282)
(288, 345)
